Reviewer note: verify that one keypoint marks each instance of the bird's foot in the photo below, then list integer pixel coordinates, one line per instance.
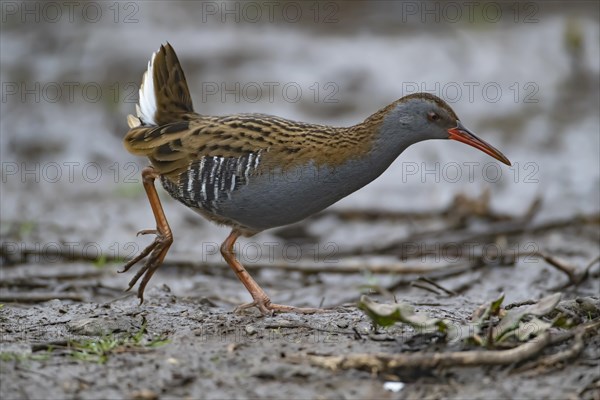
(265, 307)
(155, 252)
(259, 297)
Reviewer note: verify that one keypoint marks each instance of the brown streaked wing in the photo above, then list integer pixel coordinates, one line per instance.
(173, 147)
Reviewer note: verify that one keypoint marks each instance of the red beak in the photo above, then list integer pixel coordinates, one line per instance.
(462, 134)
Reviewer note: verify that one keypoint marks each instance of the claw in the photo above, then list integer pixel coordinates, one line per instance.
(267, 308)
(156, 252)
(148, 232)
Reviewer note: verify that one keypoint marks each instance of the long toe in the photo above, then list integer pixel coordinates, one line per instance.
(264, 310)
(270, 308)
(292, 309)
(148, 232)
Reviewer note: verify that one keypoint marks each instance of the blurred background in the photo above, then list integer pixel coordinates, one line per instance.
(524, 76)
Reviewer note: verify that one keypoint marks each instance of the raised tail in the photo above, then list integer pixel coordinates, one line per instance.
(164, 98)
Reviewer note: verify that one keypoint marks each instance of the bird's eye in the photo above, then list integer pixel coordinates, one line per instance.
(433, 116)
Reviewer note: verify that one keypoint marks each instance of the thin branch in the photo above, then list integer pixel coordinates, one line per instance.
(383, 215)
(575, 275)
(425, 287)
(45, 280)
(573, 351)
(469, 235)
(184, 261)
(564, 355)
(441, 274)
(38, 297)
(384, 361)
(571, 271)
(437, 285)
(520, 303)
(309, 269)
(586, 271)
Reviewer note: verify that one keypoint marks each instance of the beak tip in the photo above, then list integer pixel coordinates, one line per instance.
(461, 134)
(503, 159)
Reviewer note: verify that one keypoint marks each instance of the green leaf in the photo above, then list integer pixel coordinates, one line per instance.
(388, 314)
(511, 320)
(532, 328)
(485, 311)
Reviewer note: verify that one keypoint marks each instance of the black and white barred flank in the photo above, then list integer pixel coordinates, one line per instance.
(211, 179)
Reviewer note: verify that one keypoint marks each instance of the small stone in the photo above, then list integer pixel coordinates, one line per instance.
(394, 387)
(173, 361)
(250, 330)
(144, 394)
(232, 347)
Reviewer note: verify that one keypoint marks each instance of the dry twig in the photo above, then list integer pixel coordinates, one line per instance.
(573, 351)
(37, 297)
(575, 275)
(437, 285)
(378, 362)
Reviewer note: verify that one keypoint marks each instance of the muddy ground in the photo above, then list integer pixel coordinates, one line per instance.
(184, 341)
(445, 228)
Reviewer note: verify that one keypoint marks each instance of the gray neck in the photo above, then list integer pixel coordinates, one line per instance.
(389, 142)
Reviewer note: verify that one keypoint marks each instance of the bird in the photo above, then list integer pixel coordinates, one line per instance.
(235, 170)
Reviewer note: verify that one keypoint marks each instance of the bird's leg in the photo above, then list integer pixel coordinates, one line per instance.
(158, 249)
(261, 300)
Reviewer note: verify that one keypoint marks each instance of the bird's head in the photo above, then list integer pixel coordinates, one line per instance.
(423, 116)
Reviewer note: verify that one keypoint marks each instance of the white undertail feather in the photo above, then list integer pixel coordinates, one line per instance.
(133, 122)
(146, 109)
